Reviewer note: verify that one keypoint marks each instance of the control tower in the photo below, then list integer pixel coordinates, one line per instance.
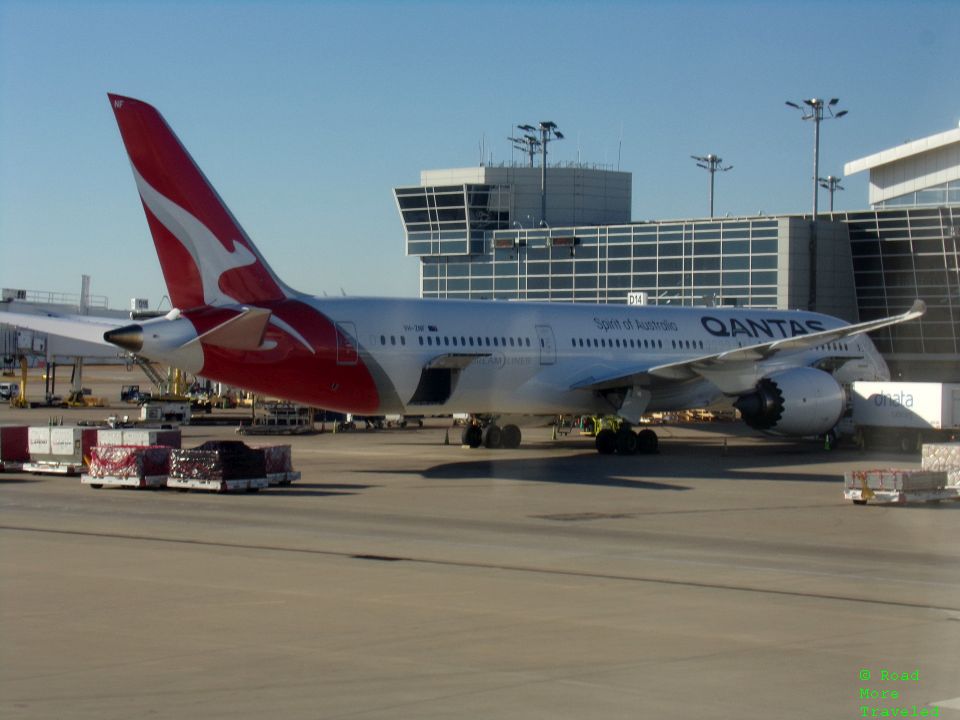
(452, 212)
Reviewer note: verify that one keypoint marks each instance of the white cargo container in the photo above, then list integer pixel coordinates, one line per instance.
(139, 436)
(112, 436)
(166, 411)
(904, 415)
(60, 450)
(38, 440)
(151, 436)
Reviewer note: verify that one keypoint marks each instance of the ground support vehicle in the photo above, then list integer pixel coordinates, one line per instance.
(102, 481)
(218, 484)
(9, 390)
(904, 415)
(894, 486)
(166, 410)
(279, 418)
(134, 395)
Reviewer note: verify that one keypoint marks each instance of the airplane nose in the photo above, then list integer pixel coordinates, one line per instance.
(129, 337)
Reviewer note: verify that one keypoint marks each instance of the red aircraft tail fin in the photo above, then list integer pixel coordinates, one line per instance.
(206, 257)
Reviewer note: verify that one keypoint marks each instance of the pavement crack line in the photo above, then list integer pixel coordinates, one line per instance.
(529, 569)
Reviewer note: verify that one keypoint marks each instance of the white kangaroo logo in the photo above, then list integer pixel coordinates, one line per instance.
(209, 255)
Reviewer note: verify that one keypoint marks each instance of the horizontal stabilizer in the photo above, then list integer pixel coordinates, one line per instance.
(243, 332)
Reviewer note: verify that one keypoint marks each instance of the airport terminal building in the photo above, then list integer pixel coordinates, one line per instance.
(478, 234)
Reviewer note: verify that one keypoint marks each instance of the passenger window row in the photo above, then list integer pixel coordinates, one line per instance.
(616, 342)
(471, 341)
(393, 340)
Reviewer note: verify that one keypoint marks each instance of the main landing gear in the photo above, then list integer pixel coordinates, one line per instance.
(614, 435)
(625, 441)
(491, 435)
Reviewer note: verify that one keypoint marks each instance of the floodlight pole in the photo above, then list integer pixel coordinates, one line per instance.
(815, 112)
(711, 163)
(527, 144)
(548, 132)
(831, 183)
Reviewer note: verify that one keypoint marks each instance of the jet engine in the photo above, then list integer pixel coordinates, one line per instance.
(798, 402)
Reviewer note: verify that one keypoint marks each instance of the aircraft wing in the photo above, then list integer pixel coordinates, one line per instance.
(77, 327)
(735, 371)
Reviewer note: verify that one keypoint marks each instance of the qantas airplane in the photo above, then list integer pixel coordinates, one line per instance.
(236, 322)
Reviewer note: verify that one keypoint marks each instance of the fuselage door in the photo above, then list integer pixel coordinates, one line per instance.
(548, 348)
(346, 343)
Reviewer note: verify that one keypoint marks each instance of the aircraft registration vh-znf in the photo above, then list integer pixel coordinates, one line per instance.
(234, 321)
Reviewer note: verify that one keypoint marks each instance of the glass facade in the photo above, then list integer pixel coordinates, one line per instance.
(947, 193)
(451, 219)
(728, 262)
(470, 249)
(900, 255)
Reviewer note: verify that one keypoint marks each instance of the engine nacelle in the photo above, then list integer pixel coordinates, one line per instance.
(797, 402)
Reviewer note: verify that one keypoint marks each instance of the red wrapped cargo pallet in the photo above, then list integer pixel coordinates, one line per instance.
(279, 464)
(220, 465)
(128, 466)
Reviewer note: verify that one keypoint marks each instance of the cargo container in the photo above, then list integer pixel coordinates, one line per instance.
(14, 449)
(278, 462)
(128, 466)
(942, 457)
(139, 436)
(58, 449)
(904, 415)
(158, 410)
(219, 466)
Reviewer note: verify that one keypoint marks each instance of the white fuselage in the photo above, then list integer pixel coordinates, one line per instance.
(531, 354)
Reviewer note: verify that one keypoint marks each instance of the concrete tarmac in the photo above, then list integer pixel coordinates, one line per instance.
(405, 578)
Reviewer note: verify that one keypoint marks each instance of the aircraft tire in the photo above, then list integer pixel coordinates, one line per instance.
(472, 436)
(606, 442)
(492, 436)
(909, 442)
(510, 437)
(627, 442)
(647, 442)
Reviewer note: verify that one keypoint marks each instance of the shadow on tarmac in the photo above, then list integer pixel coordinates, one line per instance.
(681, 458)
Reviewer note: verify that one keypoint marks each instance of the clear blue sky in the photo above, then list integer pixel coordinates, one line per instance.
(305, 114)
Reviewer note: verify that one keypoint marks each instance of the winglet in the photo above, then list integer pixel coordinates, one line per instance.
(918, 308)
